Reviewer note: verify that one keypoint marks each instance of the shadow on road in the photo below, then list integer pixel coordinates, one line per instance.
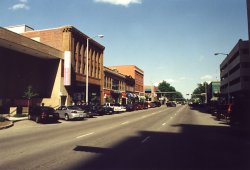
(195, 148)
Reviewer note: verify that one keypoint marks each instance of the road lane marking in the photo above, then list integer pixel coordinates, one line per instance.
(164, 124)
(85, 135)
(144, 140)
(171, 117)
(124, 123)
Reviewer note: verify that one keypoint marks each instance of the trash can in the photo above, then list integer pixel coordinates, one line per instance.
(19, 110)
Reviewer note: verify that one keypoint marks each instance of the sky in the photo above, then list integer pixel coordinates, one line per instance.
(171, 40)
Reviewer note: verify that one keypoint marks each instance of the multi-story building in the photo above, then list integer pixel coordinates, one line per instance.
(114, 86)
(23, 63)
(136, 73)
(68, 38)
(151, 92)
(53, 62)
(212, 91)
(235, 72)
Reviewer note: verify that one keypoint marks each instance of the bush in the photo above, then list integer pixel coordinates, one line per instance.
(2, 119)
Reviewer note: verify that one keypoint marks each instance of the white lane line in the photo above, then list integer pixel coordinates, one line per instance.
(144, 117)
(164, 124)
(85, 135)
(144, 140)
(124, 123)
(171, 117)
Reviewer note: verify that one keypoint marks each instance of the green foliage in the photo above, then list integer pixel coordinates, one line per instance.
(166, 87)
(2, 119)
(197, 93)
(29, 93)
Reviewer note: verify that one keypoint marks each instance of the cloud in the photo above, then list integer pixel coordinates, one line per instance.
(23, 4)
(125, 3)
(208, 78)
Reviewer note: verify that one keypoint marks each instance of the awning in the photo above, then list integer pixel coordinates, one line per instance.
(147, 90)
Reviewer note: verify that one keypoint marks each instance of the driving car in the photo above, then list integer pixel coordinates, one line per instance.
(71, 112)
(41, 114)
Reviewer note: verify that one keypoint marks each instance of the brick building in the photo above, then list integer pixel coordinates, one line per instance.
(136, 73)
(68, 38)
(37, 58)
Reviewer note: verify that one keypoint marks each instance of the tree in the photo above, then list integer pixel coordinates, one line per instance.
(29, 94)
(166, 87)
(197, 93)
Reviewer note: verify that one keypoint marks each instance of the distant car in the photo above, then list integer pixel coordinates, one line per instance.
(104, 109)
(157, 104)
(90, 110)
(71, 112)
(41, 114)
(171, 104)
(130, 107)
(151, 105)
(116, 107)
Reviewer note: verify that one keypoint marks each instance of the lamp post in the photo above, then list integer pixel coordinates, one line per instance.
(87, 67)
(228, 96)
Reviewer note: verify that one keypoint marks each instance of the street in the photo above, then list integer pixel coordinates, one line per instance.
(158, 138)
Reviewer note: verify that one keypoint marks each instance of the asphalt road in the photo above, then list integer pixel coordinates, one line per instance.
(159, 138)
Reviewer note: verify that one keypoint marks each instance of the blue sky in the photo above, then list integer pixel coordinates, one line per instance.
(172, 40)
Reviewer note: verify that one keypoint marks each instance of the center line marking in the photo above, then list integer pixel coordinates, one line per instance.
(144, 140)
(163, 124)
(85, 135)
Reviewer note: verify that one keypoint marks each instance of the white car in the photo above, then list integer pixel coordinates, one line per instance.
(116, 107)
(71, 112)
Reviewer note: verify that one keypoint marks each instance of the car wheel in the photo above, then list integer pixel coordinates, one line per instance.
(66, 117)
(37, 119)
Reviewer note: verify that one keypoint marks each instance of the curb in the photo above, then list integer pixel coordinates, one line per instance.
(7, 126)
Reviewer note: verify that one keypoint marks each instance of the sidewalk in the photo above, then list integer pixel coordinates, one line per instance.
(10, 121)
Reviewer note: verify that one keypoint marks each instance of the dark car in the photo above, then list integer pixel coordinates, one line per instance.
(89, 109)
(157, 104)
(43, 114)
(130, 107)
(104, 109)
(171, 104)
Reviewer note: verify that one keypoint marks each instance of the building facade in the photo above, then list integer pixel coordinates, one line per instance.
(136, 73)
(212, 91)
(235, 72)
(52, 62)
(68, 38)
(27, 63)
(114, 86)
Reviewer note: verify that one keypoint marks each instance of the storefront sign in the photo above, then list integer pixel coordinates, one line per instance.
(67, 68)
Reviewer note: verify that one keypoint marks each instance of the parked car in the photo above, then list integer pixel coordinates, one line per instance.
(104, 109)
(90, 110)
(130, 107)
(71, 112)
(116, 107)
(157, 104)
(151, 105)
(43, 114)
(171, 104)
(144, 105)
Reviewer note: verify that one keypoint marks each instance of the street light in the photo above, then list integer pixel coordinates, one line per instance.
(220, 54)
(87, 67)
